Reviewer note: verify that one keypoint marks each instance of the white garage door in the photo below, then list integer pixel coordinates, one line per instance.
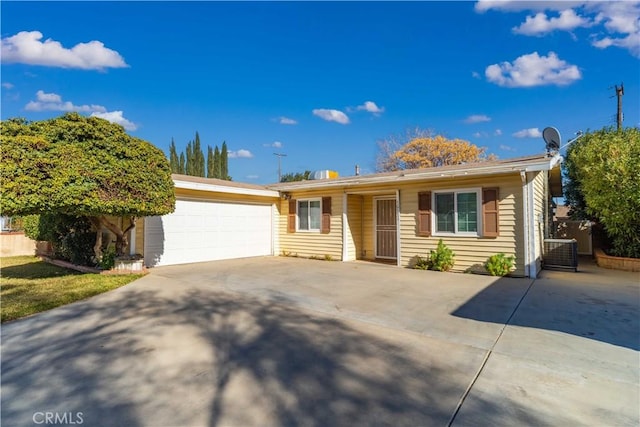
(207, 231)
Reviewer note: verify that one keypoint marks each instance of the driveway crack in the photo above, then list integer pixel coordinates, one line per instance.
(486, 357)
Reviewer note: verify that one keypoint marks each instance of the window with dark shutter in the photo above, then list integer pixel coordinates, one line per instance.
(326, 215)
(490, 212)
(291, 218)
(424, 213)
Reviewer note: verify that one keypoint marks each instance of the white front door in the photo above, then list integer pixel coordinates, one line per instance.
(386, 231)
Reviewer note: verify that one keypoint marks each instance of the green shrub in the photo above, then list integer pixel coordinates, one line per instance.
(72, 238)
(441, 259)
(500, 264)
(108, 258)
(421, 263)
(603, 184)
(33, 229)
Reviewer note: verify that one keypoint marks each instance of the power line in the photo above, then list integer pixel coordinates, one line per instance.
(280, 156)
(619, 93)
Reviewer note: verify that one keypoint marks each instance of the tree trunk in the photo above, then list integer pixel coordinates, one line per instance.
(121, 235)
(97, 248)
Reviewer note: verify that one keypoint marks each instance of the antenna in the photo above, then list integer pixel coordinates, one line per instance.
(552, 138)
(574, 139)
(280, 156)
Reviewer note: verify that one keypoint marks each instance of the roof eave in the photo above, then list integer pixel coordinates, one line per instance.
(545, 164)
(188, 185)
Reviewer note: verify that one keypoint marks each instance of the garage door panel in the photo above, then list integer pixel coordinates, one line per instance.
(206, 231)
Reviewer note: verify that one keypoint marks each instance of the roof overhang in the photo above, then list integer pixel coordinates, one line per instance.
(215, 188)
(475, 170)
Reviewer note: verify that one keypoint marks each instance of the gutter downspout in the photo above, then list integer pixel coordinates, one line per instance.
(345, 250)
(525, 223)
(362, 252)
(534, 224)
(398, 234)
(132, 240)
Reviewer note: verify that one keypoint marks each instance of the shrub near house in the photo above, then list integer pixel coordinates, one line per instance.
(604, 183)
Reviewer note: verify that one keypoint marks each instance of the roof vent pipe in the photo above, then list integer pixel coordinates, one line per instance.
(357, 170)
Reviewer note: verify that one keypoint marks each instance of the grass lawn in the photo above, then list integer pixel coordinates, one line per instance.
(29, 285)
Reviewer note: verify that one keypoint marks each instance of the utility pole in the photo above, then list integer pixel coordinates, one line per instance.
(280, 156)
(619, 93)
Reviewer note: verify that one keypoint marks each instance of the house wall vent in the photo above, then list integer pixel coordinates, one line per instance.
(561, 253)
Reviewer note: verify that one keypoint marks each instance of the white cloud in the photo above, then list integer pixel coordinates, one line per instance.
(618, 22)
(622, 21)
(476, 75)
(528, 133)
(240, 154)
(370, 107)
(631, 42)
(497, 132)
(116, 117)
(516, 5)
(274, 144)
(477, 118)
(26, 47)
(286, 121)
(477, 135)
(41, 96)
(618, 17)
(7, 85)
(506, 148)
(331, 115)
(540, 24)
(533, 70)
(53, 102)
(253, 176)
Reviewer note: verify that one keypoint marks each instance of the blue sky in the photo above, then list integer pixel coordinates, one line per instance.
(322, 82)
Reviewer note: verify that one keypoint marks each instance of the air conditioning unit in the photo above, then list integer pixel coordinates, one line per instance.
(561, 253)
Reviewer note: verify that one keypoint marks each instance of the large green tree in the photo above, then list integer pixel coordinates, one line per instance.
(216, 163)
(603, 173)
(85, 167)
(174, 160)
(199, 163)
(192, 161)
(224, 162)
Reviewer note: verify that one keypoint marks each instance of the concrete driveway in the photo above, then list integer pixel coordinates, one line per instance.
(284, 341)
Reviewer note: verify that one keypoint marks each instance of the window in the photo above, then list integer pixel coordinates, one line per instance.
(456, 212)
(309, 215)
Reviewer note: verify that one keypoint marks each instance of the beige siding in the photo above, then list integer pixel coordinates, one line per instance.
(471, 252)
(368, 245)
(354, 228)
(539, 181)
(139, 236)
(313, 244)
(360, 218)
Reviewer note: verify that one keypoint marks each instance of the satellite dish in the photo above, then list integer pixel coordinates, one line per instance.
(552, 138)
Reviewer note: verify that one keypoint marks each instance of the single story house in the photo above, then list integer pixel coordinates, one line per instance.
(477, 209)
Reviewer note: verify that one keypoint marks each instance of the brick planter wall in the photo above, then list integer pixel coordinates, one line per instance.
(616, 263)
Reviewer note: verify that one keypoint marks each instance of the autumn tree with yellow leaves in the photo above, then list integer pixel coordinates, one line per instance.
(424, 150)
